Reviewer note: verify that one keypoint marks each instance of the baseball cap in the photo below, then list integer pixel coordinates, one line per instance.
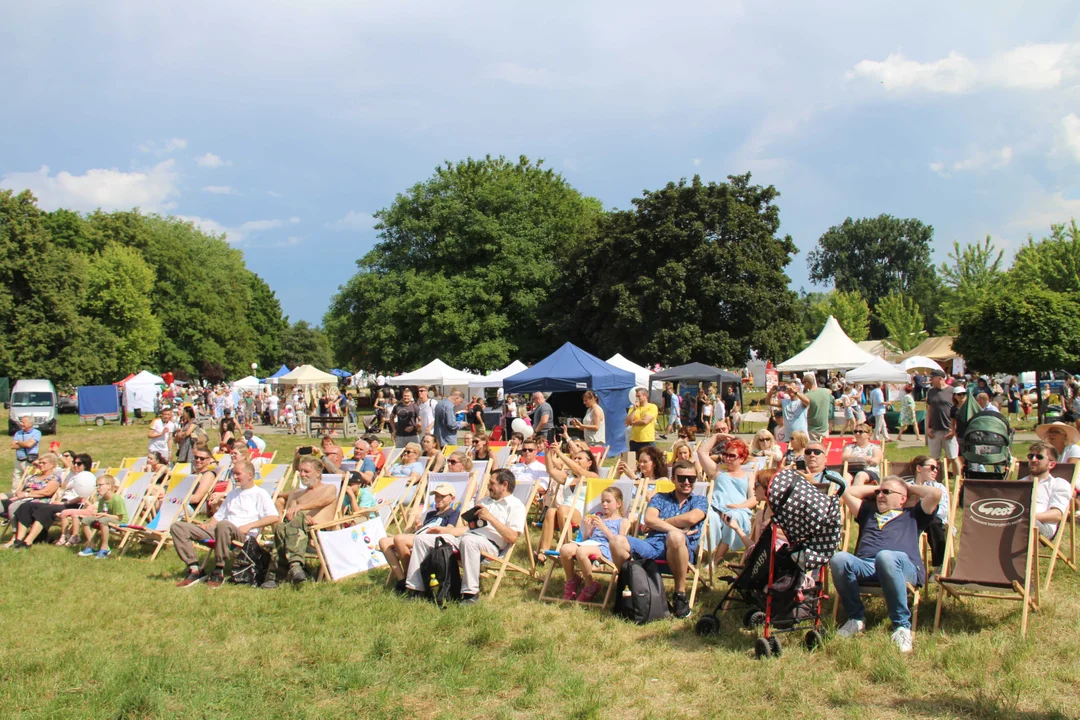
(959, 390)
(937, 373)
(248, 434)
(444, 489)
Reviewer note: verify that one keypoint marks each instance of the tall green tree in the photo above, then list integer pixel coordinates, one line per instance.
(464, 265)
(1052, 262)
(267, 322)
(302, 344)
(971, 273)
(694, 272)
(902, 319)
(119, 286)
(849, 308)
(876, 257)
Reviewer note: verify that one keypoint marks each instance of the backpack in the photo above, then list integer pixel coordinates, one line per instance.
(442, 564)
(251, 565)
(639, 592)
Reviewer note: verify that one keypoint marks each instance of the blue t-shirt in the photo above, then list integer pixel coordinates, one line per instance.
(877, 402)
(901, 533)
(794, 415)
(417, 467)
(24, 435)
(669, 507)
(434, 519)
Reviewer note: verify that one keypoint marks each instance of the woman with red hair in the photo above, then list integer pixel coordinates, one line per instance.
(733, 498)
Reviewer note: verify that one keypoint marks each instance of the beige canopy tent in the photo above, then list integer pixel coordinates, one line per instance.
(832, 350)
(308, 375)
(935, 348)
(880, 348)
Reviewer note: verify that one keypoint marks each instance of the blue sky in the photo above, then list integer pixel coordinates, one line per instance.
(285, 125)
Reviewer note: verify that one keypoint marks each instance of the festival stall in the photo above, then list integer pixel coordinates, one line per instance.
(248, 384)
(439, 374)
(831, 350)
(141, 392)
(690, 375)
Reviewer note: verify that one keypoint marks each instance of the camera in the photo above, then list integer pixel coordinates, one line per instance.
(471, 516)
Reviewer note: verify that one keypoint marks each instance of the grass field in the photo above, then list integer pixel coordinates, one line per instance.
(116, 639)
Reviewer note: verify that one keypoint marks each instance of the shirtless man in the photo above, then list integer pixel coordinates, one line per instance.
(310, 505)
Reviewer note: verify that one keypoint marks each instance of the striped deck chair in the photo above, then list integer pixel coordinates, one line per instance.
(593, 489)
(272, 478)
(495, 566)
(700, 560)
(173, 507)
(348, 551)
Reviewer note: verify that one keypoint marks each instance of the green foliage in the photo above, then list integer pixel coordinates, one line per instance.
(902, 319)
(971, 273)
(463, 269)
(267, 323)
(876, 257)
(849, 308)
(694, 272)
(1052, 263)
(302, 344)
(119, 284)
(1037, 329)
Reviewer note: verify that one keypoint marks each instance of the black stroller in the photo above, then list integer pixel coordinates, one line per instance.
(783, 581)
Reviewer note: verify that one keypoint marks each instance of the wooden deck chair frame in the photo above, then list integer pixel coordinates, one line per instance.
(701, 564)
(1068, 522)
(593, 488)
(496, 566)
(161, 536)
(400, 513)
(957, 587)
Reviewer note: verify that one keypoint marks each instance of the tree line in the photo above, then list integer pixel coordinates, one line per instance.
(87, 299)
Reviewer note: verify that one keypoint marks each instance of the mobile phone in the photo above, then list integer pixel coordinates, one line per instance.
(800, 464)
(305, 450)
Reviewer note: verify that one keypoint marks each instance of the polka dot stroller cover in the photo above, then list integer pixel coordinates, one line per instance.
(810, 518)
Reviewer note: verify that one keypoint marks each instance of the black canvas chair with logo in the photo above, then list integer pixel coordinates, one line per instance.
(997, 557)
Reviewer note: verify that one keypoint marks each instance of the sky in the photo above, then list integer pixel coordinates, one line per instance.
(286, 125)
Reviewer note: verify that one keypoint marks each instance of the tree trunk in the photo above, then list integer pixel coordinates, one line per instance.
(1040, 416)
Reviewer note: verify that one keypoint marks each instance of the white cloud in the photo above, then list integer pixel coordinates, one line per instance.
(953, 74)
(977, 160)
(170, 145)
(108, 189)
(353, 221)
(294, 219)
(271, 193)
(210, 160)
(1043, 209)
(519, 75)
(290, 241)
(260, 225)
(212, 227)
(1030, 67)
(239, 233)
(220, 190)
(1070, 131)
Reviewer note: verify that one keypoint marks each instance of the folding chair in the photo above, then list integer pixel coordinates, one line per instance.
(903, 470)
(348, 551)
(998, 550)
(410, 497)
(464, 485)
(593, 489)
(173, 506)
(272, 478)
(495, 566)
(701, 560)
(133, 493)
(1071, 473)
(502, 455)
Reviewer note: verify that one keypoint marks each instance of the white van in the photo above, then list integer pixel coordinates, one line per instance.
(36, 398)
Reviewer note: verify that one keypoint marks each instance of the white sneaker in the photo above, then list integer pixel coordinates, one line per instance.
(901, 637)
(851, 628)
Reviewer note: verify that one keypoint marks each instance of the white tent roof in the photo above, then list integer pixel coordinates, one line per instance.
(641, 374)
(435, 372)
(495, 378)
(832, 350)
(308, 375)
(249, 383)
(914, 364)
(877, 370)
(145, 378)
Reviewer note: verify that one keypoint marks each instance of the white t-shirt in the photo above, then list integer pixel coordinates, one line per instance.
(1070, 451)
(509, 511)
(273, 403)
(246, 506)
(535, 470)
(1053, 492)
(427, 413)
(161, 443)
(260, 444)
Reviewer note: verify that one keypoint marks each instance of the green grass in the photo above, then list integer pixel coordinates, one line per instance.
(116, 639)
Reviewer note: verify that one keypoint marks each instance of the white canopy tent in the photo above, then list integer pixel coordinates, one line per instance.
(141, 392)
(495, 378)
(250, 383)
(877, 370)
(831, 350)
(641, 376)
(439, 374)
(917, 363)
(308, 375)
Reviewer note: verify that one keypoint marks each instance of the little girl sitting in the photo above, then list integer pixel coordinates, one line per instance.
(599, 530)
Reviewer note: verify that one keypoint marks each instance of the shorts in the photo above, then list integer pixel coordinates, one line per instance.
(637, 446)
(935, 445)
(90, 520)
(654, 547)
(604, 548)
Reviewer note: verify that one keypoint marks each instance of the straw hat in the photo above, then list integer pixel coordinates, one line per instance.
(1072, 435)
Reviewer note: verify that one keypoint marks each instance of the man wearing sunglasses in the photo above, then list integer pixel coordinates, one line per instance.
(815, 456)
(674, 523)
(891, 517)
(1052, 494)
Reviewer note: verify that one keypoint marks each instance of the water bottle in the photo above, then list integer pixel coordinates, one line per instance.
(433, 587)
(627, 593)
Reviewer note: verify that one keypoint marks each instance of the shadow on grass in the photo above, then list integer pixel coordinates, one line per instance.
(982, 706)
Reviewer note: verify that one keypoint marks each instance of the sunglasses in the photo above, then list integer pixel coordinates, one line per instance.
(860, 432)
(202, 457)
(931, 467)
(687, 479)
(884, 493)
(1033, 456)
(813, 451)
(455, 462)
(729, 456)
(408, 452)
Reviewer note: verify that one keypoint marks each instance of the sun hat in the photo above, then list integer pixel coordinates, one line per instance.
(1071, 433)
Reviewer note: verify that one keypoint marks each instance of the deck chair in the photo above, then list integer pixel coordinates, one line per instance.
(495, 566)
(502, 456)
(411, 495)
(873, 589)
(464, 485)
(134, 494)
(700, 561)
(272, 478)
(391, 456)
(997, 559)
(904, 470)
(173, 507)
(339, 486)
(593, 489)
(348, 551)
(1071, 473)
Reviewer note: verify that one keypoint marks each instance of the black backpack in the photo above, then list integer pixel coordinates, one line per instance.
(639, 592)
(442, 565)
(251, 564)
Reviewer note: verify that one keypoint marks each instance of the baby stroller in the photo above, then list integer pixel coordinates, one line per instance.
(987, 439)
(782, 584)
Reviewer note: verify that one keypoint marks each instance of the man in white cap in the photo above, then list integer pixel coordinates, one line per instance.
(941, 421)
(398, 548)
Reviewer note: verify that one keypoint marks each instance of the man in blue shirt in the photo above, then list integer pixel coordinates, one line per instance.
(877, 410)
(794, 403)
(674, 521)
(446, 424)
(25, 444)
(891, 517)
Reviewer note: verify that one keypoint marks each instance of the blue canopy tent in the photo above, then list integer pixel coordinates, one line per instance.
(571, 369)
(283, 370)
(341, 373)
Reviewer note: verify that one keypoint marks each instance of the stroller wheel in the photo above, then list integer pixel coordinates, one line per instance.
(774, 645)
(753, 618)
(813, 640)
(762, 648)
(707, 625)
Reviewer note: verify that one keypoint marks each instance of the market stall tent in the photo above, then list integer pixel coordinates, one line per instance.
(935, 348)
(831, 350)
(141, 392)
(308, 375)
(877, 370)
(571, 369)
(245, 384)
(436, 373)
(495, 378)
